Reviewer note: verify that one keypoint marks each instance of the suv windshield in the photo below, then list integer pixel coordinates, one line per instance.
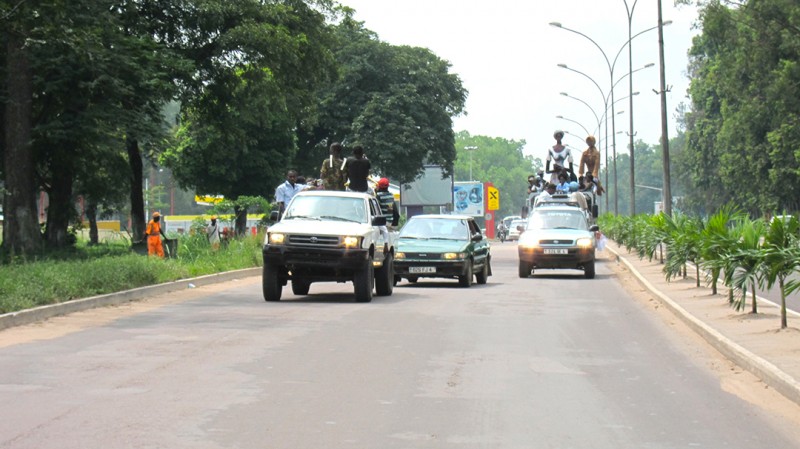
(327, 207)
(558, 219)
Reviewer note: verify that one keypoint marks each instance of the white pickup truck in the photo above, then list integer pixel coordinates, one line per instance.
(329, 236)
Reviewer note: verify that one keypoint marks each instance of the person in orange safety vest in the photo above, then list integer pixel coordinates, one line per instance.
(153, 237)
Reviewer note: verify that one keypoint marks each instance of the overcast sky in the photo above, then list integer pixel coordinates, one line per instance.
(506, 55)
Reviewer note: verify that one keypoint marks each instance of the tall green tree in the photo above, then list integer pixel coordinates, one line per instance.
(260, 64)
(396, 101)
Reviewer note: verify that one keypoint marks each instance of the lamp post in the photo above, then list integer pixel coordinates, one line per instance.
(604, 117)
(470, 149)
(611, 66)
(596, 117)
(630, 9)
(574, 121)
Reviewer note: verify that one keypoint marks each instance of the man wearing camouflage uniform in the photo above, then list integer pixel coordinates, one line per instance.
(332, 173)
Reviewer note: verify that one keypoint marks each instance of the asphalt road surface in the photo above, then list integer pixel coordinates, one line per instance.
(553, 361)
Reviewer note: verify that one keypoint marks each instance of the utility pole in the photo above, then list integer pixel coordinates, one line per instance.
(666, 196)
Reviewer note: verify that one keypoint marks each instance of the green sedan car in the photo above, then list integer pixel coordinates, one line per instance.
(443, 246)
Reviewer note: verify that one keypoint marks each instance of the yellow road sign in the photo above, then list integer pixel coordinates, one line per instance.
(493, 197)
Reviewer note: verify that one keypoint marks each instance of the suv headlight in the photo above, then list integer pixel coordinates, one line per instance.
(276, 238)
(351, 242)
(584, 242)
(529, 241)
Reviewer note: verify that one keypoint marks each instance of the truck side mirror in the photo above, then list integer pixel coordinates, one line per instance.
(379, 221)
(274, 216)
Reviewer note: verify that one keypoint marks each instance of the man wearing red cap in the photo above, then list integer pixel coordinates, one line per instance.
(386, 199)
(388, 207)
(153, 238)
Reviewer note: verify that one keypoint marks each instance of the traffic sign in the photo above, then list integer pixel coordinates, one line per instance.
(493, 197)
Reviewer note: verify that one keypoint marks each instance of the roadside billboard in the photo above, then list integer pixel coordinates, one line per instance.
(468, 198)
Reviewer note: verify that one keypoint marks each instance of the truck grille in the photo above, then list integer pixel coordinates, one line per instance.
(314, 240)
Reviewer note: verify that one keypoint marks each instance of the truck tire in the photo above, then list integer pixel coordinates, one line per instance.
(524, 269)
(300, 287)
(483, 276)
(384, 278)
(270, 283)
(465, 280)
(362, 282)
(588, 270)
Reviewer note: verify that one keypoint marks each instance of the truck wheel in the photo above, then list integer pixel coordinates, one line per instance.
(270, 284)
(524, 269)
(483, 275)
(588, 270)
(465, 280)
(300, 287)
(384, 280)
(362, 282)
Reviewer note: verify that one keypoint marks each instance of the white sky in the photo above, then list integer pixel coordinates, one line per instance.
(506, 54)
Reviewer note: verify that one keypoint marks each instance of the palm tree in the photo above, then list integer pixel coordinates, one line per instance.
(744, 263)
(782, 257)
(684, 243)
(716, 241)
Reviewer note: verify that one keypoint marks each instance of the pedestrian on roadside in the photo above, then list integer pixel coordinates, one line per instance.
(154, 233)
(332, 173)
(286, 191)
(212, 232)
(357, 167)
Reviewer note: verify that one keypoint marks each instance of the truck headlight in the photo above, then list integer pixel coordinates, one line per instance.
(351, 242)
(453, 256)
(584, 243)
(277, 239)
(398, 256)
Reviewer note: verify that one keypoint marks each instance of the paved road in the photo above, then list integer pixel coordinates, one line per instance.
(554, 361)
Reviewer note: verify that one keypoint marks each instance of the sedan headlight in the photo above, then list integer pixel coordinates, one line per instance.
(454, 256)
(277, 239)
(351, 242)
(398, 256)
(584, 242)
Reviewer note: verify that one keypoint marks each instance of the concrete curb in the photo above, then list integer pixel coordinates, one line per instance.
(29, 316)
(764, 370)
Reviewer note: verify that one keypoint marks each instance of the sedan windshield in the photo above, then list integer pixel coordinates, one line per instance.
(552, 219)
(436, 228)
(328, 208)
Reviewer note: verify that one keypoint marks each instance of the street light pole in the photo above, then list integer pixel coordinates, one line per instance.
(470, 149)
(611, 67)
(667, 193)
(630, 10)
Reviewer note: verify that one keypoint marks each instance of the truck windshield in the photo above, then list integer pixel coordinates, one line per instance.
(552, 219)
(327, 207)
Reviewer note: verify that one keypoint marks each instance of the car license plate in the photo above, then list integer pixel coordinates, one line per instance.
(422, 269)
(556, 251)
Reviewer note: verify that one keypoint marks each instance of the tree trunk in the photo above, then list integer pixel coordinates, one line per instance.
(21, 234)
(91, 215)
(241, 220)
(714, 276)
(784, 323)
(138, 220)
(697, 273)
(61, 208)
(753, 289)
